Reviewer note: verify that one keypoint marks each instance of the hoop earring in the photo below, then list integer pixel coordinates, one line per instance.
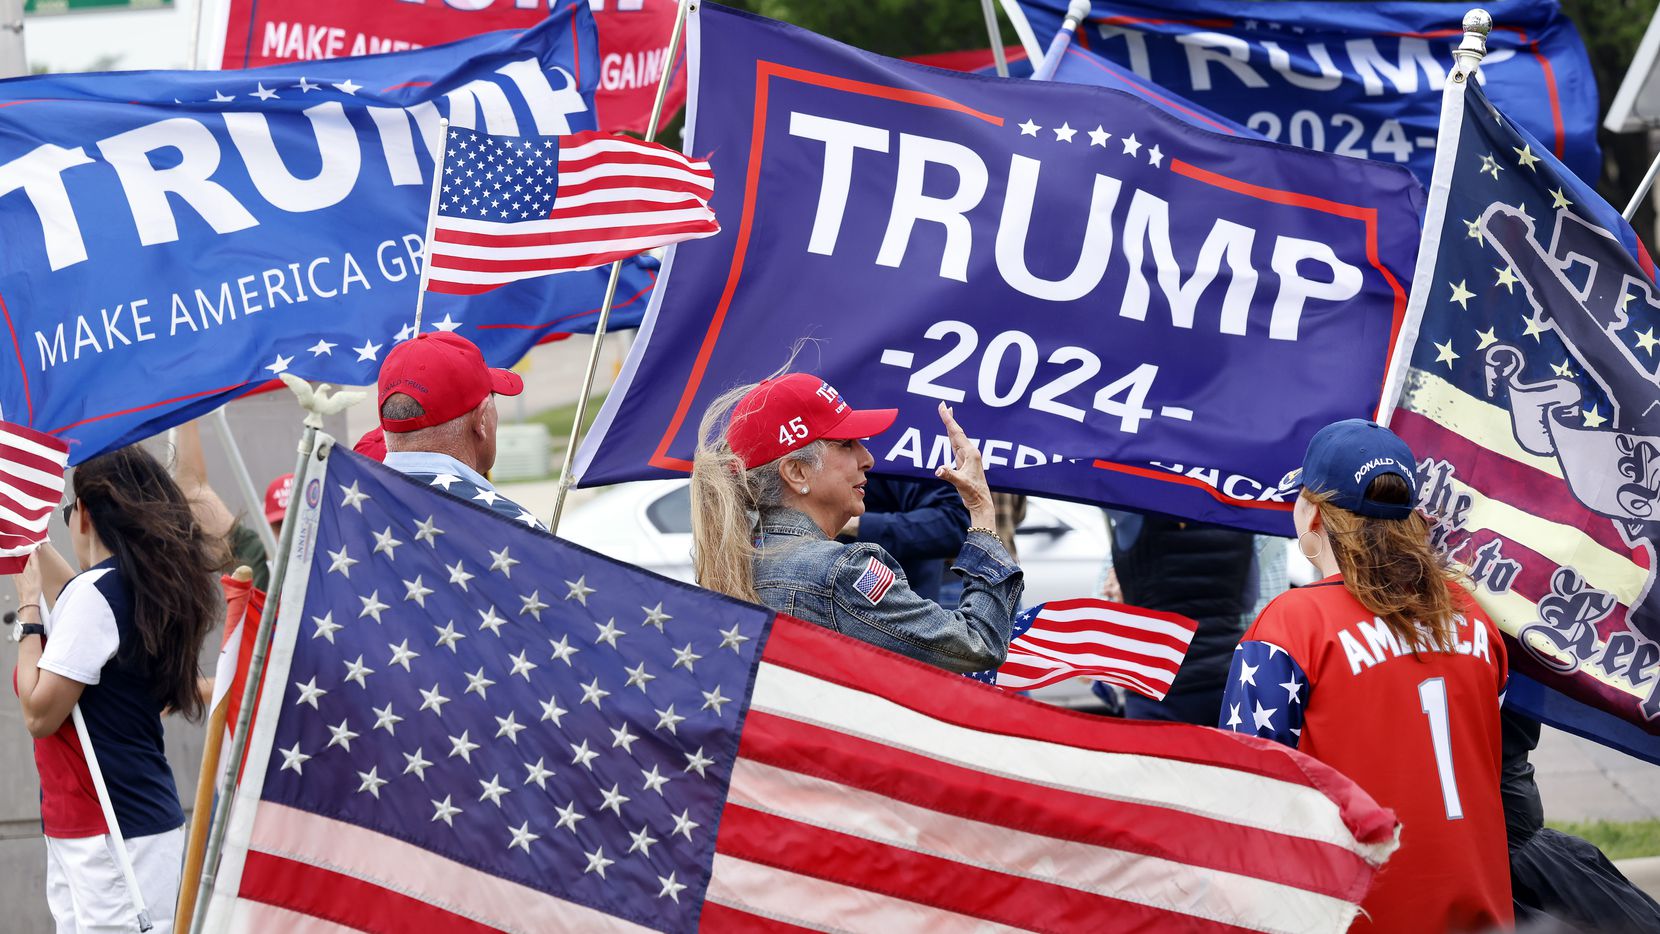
(1304, 550)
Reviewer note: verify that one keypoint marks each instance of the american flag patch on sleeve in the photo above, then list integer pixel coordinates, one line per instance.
(875, 581)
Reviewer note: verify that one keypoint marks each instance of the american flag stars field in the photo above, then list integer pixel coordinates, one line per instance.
(570, 732)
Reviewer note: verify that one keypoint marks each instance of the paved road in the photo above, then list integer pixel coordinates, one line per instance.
(1580, 780)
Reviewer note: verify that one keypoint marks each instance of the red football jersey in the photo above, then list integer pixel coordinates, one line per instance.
(1419, 731)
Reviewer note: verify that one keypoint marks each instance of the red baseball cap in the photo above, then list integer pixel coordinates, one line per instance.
(277, 496)
(782, 414)
(372, 444)
(444, 372)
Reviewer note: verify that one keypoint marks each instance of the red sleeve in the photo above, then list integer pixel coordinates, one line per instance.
(1280, 623)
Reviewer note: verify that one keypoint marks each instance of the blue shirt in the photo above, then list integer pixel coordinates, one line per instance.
(458, 480)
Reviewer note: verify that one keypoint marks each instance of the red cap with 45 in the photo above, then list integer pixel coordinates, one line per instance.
(444, 372)
(780, 415)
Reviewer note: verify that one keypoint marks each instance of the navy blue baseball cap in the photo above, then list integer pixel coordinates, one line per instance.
(1344, 458)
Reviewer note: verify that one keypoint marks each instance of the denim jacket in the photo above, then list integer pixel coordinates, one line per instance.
(800, 572)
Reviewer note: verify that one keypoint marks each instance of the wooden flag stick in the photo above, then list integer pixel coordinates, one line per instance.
(611, 286)
(202, 809)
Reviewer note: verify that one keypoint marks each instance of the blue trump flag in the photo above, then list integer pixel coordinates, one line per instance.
(1081, 67)
(1124, 308)
(173, 239)
(1531, 400)
(1078, 66)
(1348, 78)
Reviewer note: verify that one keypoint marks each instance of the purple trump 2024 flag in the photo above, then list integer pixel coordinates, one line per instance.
(1123, 307)
(174, 239)
(1530, 401)
(470, 726)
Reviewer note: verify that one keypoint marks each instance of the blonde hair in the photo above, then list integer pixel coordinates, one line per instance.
(1390, 566)
(727, 500)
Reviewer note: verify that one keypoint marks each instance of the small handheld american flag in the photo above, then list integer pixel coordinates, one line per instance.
(31, 484)
(517, 207)
(1098, 639)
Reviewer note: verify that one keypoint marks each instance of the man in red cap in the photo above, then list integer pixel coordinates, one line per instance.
(438, 409)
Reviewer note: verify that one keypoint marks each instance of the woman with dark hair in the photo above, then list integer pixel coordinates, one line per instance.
(1389, 672)
(122, 641)
(780, 469)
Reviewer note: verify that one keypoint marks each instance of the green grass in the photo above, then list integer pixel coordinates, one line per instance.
(559, 418)
(1617, 840)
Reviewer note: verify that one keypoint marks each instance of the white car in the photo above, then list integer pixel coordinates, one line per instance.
(1061, 545)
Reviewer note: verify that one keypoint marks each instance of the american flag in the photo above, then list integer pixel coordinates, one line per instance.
(243, 605)
(483, 728)
(875, 581)
(516, 207)
(1530, 402)
(31, 485)
(1096, 639)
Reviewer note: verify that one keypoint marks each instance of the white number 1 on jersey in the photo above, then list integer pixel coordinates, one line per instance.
(1432, 696)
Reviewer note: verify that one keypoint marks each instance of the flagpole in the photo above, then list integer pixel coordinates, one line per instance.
(123, 856)
(250, 493)
(996, 37)
(190, 880)
(683, 7)
(1075, 14)
(1466, 59)
(1642, 189)
(432, 218)
(317, 403)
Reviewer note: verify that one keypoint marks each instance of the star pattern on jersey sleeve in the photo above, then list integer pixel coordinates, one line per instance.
(1266, 693)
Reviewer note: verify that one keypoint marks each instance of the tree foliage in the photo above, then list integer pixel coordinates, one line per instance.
(887, 27)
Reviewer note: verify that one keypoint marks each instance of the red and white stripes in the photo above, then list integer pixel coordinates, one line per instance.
(1092, 638)
(872, 793)
(31, 486)
(616, 197)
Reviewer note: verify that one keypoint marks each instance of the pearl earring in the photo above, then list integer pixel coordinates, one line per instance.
(803, 491)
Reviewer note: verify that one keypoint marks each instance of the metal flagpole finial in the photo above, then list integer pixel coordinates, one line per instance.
(319, 402)
(1477, 24)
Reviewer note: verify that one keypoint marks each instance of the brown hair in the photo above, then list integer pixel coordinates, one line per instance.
(1390, 566)
(167, 559)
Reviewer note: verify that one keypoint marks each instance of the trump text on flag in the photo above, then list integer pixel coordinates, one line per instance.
(1108, 288)
(1355, 81)
(185, 234)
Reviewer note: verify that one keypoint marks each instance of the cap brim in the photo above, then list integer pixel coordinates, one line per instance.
(506, 382)
(863, 423)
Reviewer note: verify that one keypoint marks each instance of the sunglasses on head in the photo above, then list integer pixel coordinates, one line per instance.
(68, 508)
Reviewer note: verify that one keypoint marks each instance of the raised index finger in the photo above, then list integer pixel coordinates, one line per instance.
(952, 430)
